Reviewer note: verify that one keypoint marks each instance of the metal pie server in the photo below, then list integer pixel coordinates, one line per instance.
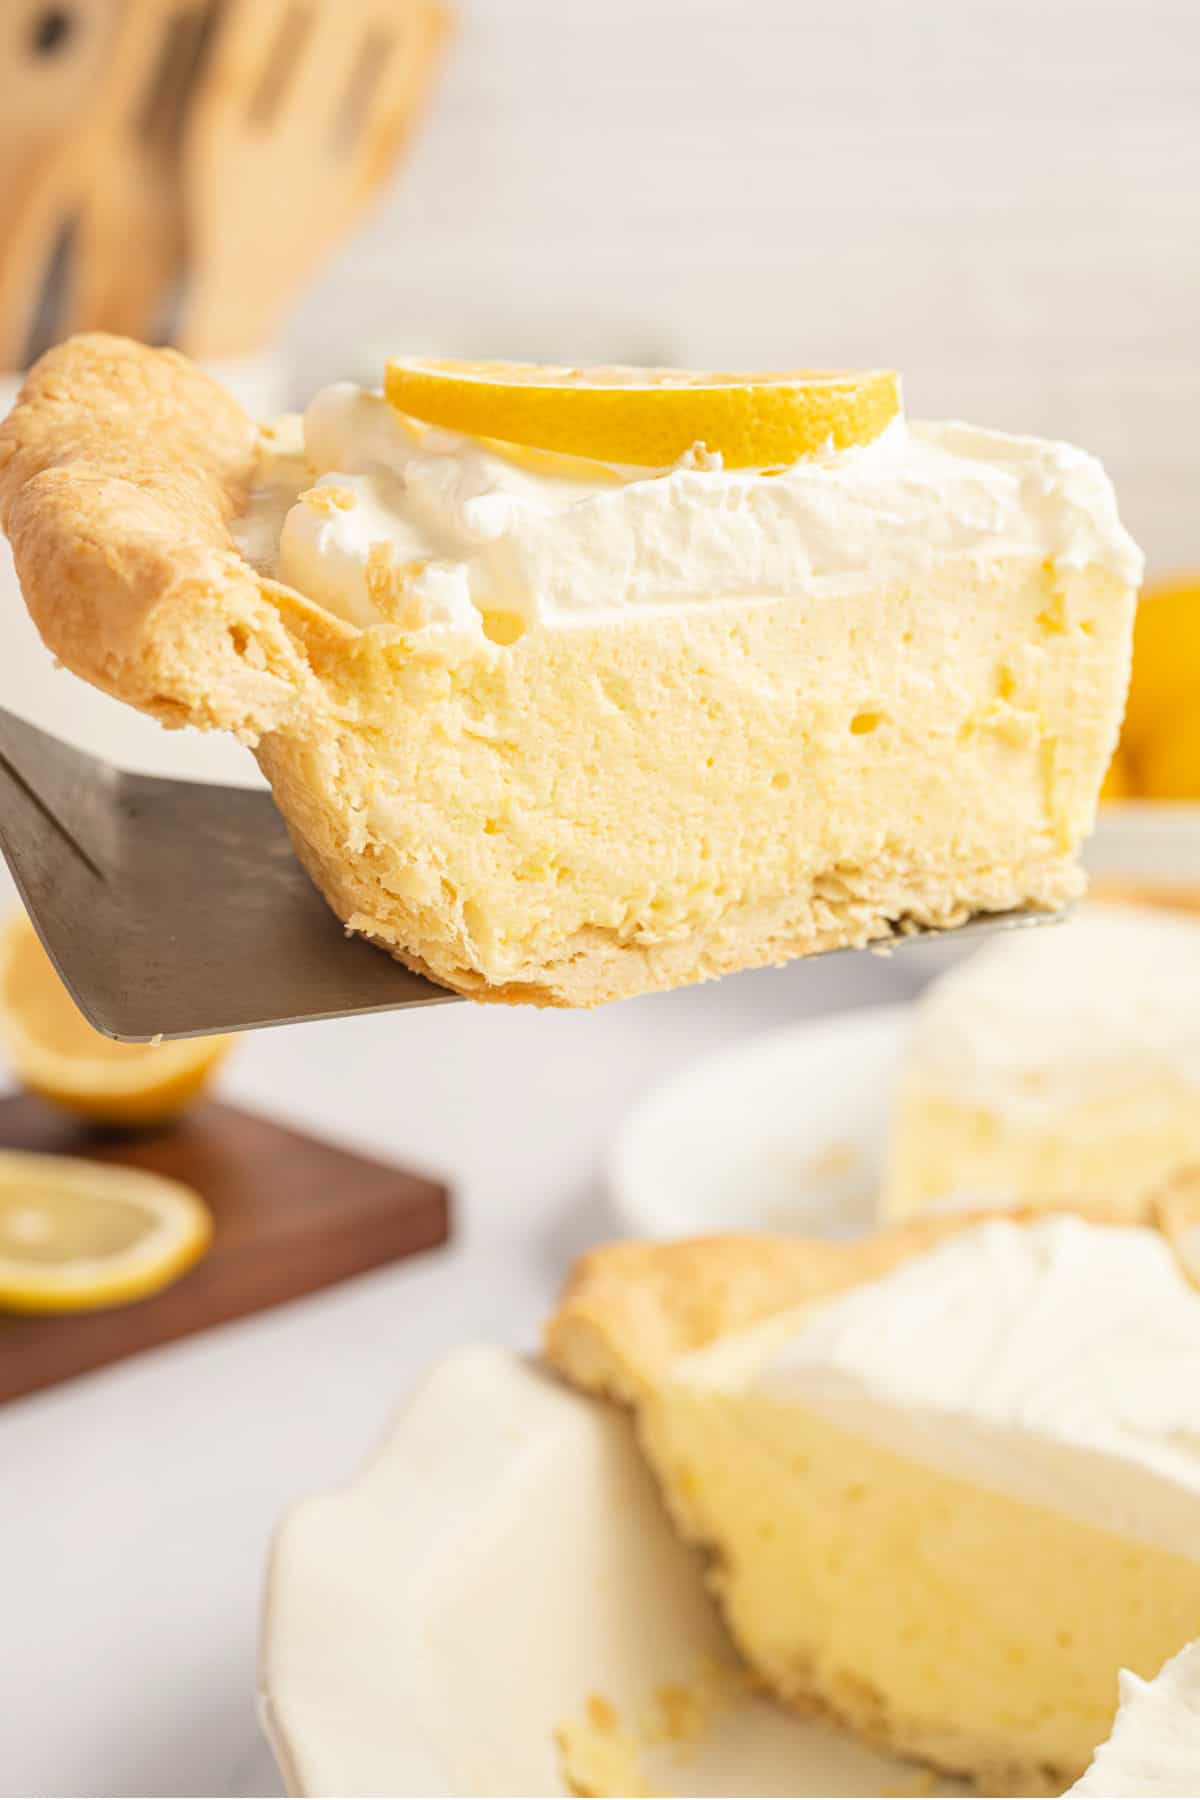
(178, 908)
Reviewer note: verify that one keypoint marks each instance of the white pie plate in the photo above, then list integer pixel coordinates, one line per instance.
(503, 1557)
(781, 1132)
(1154, 841)
(785, 1131)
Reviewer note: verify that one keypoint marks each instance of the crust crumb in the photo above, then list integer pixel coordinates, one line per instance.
(330, 500)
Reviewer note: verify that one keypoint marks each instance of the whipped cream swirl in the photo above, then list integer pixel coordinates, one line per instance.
(404, 525)
(1155, 1743)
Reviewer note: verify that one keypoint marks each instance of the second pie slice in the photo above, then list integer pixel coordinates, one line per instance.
(946, 1480)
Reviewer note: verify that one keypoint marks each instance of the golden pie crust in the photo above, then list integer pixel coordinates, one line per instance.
(120, 471)
(629, 1310)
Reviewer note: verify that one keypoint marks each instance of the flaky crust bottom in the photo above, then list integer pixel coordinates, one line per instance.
(630, 1310)
(989, 1768)
(593, 966)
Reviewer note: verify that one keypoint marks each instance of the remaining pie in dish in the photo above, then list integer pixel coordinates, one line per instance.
(1155, 1742)
(947, 1478)
(685, 675)
(1051, 1064)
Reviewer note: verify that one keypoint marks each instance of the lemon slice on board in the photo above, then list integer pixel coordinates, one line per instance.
(76, 1235)
(649, 417)
(55, 1052)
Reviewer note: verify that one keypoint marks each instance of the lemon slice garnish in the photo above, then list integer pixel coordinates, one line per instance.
(553, 465)
(56, 1053)
(649, 417)
(75, 1235)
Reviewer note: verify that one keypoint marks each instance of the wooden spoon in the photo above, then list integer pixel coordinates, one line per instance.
(301, 116)
(127, 252)
(52, 62)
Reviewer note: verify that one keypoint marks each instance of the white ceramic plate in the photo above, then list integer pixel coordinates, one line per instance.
(1146, 840)
(503, 1557)
(783, 1132)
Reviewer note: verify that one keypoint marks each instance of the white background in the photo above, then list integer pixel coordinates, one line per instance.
(1000, 197)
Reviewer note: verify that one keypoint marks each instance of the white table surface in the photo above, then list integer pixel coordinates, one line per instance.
(136, 1505)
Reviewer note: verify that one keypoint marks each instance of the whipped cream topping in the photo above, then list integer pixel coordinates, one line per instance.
(1040, 1019)
(1154, 1747)
(406, 525)
(1056, 1362)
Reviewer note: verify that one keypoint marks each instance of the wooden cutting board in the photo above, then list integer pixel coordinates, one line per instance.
(293, 1214)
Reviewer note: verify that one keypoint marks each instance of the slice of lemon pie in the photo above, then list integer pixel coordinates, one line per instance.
(572, 684)
(947, 1478)
(1051, 1064)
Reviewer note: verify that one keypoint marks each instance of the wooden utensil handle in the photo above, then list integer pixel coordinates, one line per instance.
(28, 239)
(53, 64)
(303, 112)
(126, 254)
(129, 246)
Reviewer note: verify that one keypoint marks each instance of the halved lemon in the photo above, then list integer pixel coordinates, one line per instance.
(1118, 779)
(1168, 760)
(649, 417)
(75, 1235)
(1166, 659)
(56, 1053)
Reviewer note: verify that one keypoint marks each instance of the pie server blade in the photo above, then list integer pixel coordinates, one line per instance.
(177, 908)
